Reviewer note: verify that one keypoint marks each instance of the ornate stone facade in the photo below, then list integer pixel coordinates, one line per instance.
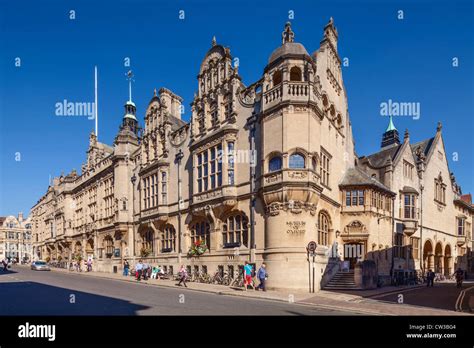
(16, 238)
(258, 173)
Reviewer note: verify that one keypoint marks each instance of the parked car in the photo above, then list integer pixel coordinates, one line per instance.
(40, 266)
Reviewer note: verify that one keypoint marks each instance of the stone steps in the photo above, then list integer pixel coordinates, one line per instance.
(342, 281)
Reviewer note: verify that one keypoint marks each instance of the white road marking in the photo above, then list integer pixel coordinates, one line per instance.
(460, 299)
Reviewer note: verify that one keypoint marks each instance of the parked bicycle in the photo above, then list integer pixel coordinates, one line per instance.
(221, 279)
(238, 281)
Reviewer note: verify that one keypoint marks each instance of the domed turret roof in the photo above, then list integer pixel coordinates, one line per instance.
(288, 47)
(294, 48)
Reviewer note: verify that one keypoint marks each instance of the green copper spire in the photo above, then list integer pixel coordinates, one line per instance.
(391, 126)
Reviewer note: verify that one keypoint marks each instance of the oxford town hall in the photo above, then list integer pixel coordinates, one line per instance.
(258, 173)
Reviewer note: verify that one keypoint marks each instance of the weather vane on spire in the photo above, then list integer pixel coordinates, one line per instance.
(129, 75)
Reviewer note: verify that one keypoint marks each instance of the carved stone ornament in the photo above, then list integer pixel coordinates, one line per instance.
(297, 175)
(355, 227)
(296, 207)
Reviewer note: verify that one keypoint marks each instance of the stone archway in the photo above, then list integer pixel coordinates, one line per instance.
(448, 269)
(428, 256)
(438, 258)
(90, 247)
(78, 249)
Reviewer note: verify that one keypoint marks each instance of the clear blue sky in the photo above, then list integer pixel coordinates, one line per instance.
(404, 60)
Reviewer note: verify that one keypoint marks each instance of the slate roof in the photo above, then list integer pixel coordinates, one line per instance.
(379, 159)
(176, 123)
(357, 177)
(425, 145)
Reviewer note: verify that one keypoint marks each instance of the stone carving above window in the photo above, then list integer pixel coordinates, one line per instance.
(355, 227)
(295, 207)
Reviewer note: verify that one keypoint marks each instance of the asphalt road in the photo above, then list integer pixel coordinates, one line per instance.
(26, 292)
(442, 296)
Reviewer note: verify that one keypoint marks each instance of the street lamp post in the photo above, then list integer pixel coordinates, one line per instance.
(133, 179)
(252, 190)
(393, 241)
(179, 156)
(422, 266)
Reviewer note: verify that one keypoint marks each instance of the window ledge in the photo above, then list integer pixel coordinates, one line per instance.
(232, 245)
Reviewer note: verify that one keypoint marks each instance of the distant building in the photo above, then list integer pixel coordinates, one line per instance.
(16, 238)
(258, 173)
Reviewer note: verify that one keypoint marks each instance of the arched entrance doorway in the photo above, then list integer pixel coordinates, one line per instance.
(353, 253)
(428, 257)
(448, 270)
(90, 249)
(77, 249)
(439, 258)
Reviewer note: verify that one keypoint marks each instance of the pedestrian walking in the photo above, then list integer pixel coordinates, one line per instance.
(248, 275)
(459, 274)
(154, 272)
(89, 265)
(145, 271)
(430, 276)
(183, 275)
(5, 264)
(262, 276)
(138, 270)
(126, 268)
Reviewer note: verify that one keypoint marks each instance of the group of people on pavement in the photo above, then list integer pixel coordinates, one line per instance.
(77, 265)
(262, 276)
(430, 277)
(144, 271)
(5, 263)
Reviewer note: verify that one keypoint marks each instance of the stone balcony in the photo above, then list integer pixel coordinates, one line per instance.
(219, 193)
(461, 240)
(291, 91)
(297, 91)
(272, 97)
(410, 226)
(287, 175)
(158, 210)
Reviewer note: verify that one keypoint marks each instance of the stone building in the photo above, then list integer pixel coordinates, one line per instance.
(16, 238)
(258, 173)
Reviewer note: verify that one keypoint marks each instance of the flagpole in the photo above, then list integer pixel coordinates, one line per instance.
(95, 106)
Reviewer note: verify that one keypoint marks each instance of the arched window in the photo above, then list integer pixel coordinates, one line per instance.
(275, 163)
(332, 111)
(168, 242)
(325, 101)
(297, 161)
(235, 231)
(323, 229)
(108, 246)
(148, 242)
(201, 231)
(277, 77)
(295, 74)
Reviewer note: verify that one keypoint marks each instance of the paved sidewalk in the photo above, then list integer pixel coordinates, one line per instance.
(362, 301)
